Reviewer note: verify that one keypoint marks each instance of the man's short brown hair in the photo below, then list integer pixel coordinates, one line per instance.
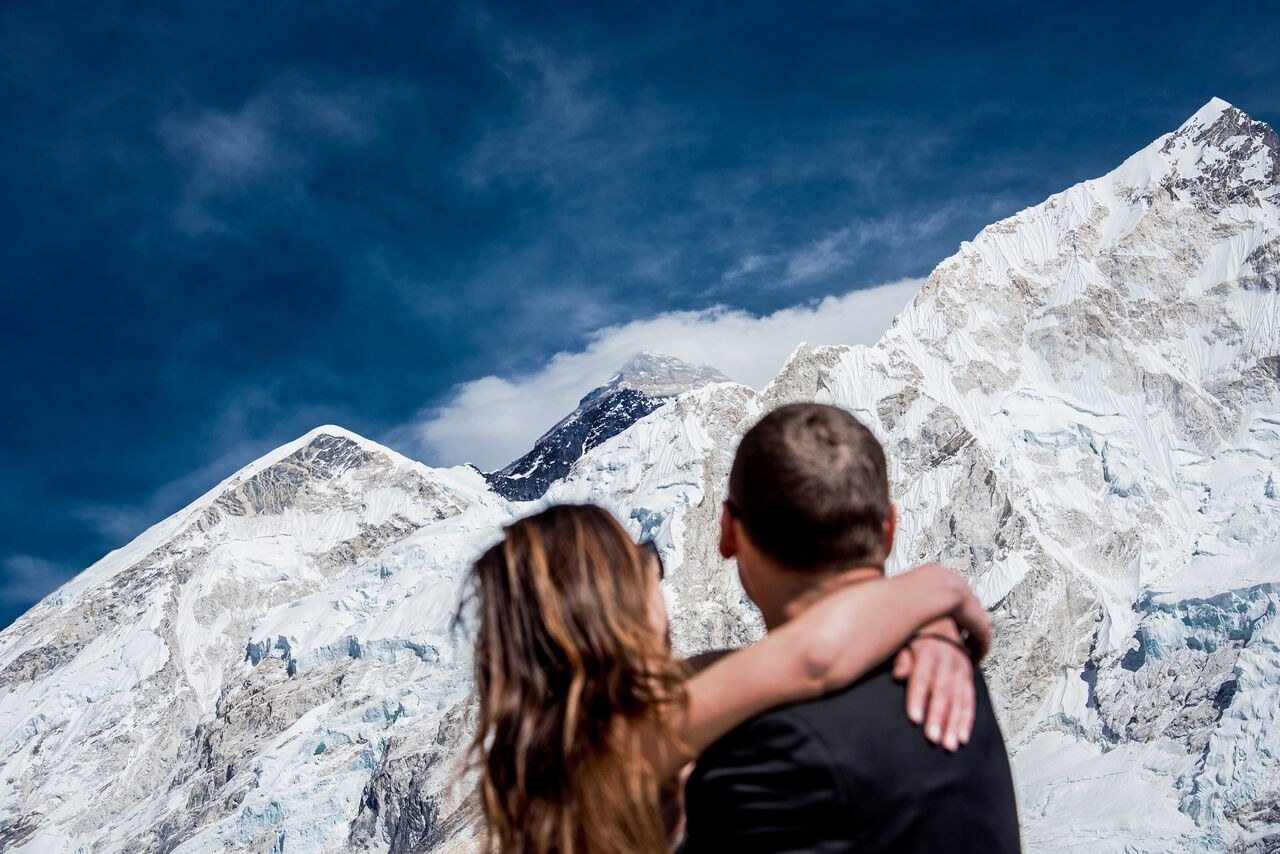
(810, 484)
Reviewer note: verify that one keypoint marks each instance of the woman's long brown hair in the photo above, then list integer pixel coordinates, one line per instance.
(576, 688)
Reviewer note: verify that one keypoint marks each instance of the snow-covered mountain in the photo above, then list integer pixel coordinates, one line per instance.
(1082, 412)
(644, 383)
(238, 677)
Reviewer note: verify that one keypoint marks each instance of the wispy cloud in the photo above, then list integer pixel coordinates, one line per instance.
(841, 249)
(745, 267)
(566, 128)
(827, 255)
(820, 258)
(556, 115)
(270, 148)
(492, 420)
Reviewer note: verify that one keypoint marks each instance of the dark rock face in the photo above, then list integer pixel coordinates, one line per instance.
(398, 803)
(279, 486)
(17, 831)
(1226, 181)
(644, 383)
(403, 807)
(599, 417)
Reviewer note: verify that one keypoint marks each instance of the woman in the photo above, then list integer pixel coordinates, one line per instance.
(585, 717)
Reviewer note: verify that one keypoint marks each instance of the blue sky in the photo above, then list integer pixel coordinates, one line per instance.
(226, 224)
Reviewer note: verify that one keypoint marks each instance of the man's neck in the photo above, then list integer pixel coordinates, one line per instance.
(808, 591)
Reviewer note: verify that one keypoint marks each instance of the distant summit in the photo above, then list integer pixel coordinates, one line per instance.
(657, 375)
(640, 386)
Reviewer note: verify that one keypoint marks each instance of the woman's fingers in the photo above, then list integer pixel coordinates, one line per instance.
(941, 697)
(970, 714)
(902, 663)
(920, 683)
(942, 681)
(960, 723)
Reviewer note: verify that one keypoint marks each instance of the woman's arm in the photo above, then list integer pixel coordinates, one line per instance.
(830, 644)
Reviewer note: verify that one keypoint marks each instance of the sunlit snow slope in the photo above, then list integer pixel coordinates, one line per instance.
(1082, 411)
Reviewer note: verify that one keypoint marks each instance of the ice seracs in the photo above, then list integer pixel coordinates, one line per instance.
(1082, 412)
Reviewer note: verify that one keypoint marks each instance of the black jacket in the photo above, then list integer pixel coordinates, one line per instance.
(850, 772)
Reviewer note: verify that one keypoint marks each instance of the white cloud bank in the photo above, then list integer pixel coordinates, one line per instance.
(493, 420)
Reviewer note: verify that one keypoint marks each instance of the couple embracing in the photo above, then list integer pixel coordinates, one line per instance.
(593, 738)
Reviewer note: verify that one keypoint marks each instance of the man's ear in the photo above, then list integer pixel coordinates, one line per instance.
(728, 536)
(890, 528)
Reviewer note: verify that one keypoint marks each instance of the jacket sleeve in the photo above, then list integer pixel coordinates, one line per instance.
(766, 786)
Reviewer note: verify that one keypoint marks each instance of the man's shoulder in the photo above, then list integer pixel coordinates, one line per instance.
(806, 732)
(783, 729)
(867, 701)
(868, 720)
(860, 733)
(850, 769)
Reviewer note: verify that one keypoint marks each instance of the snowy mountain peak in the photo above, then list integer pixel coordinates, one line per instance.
(1080, 411)
(1208, 114)
(330, 436)
(1222, 126)
(646, 381)
(324, 443)
(659, 375)
(208, 613)
(283, 476)
(1216, 157)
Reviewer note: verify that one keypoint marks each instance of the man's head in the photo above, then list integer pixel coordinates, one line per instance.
(808, 497)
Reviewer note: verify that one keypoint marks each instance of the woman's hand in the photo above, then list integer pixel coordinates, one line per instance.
(846, 631)
(833, 642)
(940, 687)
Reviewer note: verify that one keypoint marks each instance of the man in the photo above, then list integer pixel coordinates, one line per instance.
(808, 511)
